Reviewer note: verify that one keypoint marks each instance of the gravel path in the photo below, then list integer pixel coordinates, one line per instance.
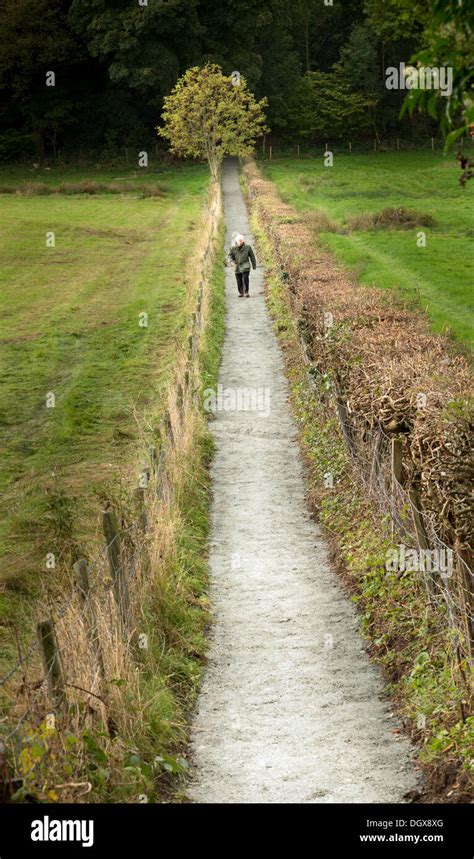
(290, 708)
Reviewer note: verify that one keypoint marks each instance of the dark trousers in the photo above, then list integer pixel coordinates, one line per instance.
(243, 282)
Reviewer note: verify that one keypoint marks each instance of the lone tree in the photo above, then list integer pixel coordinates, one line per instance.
(209, 115)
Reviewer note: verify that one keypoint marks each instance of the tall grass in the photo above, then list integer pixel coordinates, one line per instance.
(86, 186)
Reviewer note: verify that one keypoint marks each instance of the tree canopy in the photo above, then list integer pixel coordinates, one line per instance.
(115, 62)
(210, 115)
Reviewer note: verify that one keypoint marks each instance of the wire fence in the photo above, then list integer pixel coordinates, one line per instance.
(105, 591)
(269, 151)
(444, 571)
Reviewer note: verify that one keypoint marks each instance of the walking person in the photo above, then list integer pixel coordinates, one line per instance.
(242, 255)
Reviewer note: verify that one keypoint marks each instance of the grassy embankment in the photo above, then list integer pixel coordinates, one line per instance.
(340, 203)
(70, 326)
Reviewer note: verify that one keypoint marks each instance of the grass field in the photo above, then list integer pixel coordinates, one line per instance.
(70, 326)
(439, 276)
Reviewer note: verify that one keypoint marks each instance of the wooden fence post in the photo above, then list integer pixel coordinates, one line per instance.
(161, 474)
(168, 424)
(51, 663)
(143, 525)
(270, 152)
(397, 476)
(81, 576)
(117, 567)
(421, 534)
(139, 494)
(466, 595)
(342, 415)
(397, 469)
(152, 455)
(180, 400)
(421, 537)
(375, 467)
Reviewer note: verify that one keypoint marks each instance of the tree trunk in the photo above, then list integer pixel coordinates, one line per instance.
(38, 139)
(215, 168)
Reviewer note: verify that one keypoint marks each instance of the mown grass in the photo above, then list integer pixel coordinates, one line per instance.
(70, 327)
(342, 199)
(147, 757)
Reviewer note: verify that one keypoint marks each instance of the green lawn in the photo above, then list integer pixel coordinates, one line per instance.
(70, 325)
(439, 275)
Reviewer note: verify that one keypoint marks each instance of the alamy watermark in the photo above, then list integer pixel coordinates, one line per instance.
(405, 560)
(50, 829)
(420, 77)
(237, 400)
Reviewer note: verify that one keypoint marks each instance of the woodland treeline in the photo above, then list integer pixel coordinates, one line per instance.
(321, 67)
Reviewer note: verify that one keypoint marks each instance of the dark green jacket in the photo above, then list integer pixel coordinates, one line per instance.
(242, 258)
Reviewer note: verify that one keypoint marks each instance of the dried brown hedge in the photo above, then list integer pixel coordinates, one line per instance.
(381, 357)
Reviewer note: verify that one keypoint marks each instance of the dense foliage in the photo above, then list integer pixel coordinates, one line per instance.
(114, 61)
(209, 115)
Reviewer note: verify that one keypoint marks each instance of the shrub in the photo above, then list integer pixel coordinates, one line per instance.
(391, 218)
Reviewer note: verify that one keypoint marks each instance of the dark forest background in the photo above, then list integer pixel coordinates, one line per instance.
(322, 68)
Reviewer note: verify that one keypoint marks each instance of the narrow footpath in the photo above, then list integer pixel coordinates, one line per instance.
(290, 709)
